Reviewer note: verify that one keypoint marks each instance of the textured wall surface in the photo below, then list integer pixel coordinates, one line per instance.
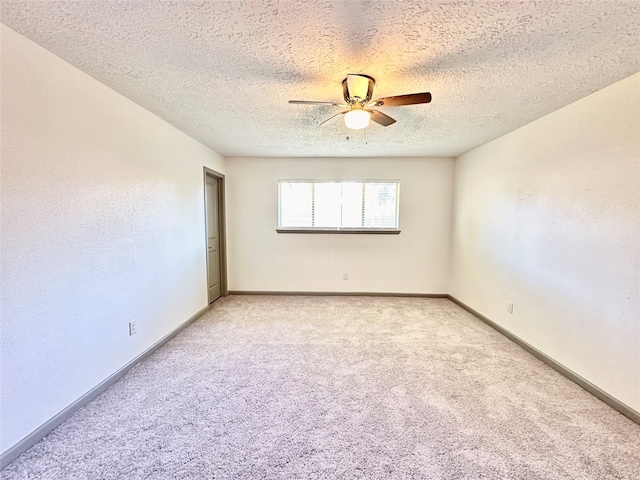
(223, 71)
(102, 223)
(416, 261)
(549, 217)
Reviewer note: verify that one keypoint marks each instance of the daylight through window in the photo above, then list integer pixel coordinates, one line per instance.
(364, 205)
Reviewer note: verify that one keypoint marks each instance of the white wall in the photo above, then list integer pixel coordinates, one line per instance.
(416, 261)
(548, 217)
(102, 222)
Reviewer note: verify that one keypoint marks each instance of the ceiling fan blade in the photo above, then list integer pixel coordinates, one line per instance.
(333, 116)
(381, 118)
(313, 102)
(399, 100)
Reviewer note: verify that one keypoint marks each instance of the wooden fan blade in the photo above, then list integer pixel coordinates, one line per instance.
(381, 118)
(333, 116)
(399, 100)
(313, 102)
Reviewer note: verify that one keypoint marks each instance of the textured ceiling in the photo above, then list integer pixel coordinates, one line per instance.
(222, 72)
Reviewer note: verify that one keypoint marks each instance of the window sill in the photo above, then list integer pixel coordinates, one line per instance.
(359, 231)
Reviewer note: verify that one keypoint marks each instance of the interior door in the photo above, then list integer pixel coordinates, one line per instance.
(213, 238)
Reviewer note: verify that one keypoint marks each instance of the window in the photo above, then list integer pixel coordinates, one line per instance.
(369, 206)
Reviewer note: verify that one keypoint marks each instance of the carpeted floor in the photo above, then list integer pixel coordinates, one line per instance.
(339, 387)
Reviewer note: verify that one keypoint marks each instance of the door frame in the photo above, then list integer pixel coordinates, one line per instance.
(222, 230)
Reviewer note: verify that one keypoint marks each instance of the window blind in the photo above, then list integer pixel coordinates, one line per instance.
(338, 204)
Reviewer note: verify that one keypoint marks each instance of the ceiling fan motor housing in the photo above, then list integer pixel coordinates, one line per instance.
(358, 88)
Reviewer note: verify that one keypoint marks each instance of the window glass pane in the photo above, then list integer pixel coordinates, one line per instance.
(295, 204)
(380, 205)
(352, 204)
(327, 205)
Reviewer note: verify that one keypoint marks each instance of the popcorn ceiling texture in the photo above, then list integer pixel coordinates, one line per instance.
(339, 388)
(222, 72)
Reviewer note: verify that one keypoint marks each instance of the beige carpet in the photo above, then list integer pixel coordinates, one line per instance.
(339, 387)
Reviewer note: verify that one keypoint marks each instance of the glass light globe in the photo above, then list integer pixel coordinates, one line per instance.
(357, 119)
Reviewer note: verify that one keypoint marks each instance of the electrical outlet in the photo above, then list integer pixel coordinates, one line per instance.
(510, 307)
(133, 327)
(345, 276)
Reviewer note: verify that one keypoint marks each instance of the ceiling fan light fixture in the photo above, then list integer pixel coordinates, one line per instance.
(357, 119)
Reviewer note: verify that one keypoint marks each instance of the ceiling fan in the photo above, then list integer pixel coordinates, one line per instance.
(357, 90)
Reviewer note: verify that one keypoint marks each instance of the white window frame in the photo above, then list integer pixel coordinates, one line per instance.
(356, 230)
